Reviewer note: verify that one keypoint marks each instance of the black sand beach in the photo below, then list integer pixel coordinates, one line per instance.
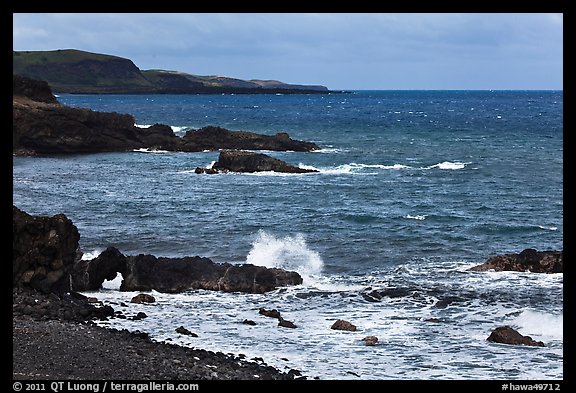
(49, 343)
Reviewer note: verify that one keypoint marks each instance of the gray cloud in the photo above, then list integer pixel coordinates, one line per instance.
(350, 51)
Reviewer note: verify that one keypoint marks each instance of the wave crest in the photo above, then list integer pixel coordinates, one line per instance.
(289, 253)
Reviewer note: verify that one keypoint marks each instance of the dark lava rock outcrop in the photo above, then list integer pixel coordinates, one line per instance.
(172, 275)
(215, 138)
(528, 260)
(250, 162)
(507, 335)
(41, 125)
(46, 257)
(43, 251)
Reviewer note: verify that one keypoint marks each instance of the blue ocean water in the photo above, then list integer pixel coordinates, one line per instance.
(414, 188)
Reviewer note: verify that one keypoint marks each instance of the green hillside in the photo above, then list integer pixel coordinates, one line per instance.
(75, 71)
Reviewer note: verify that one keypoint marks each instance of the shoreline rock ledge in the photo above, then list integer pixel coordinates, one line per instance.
(46, 257)
(174, 275)
(41, 125)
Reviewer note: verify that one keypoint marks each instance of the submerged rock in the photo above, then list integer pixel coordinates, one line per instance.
(370, 340)
(184, 331)
(143, 298)
(285, 323)
(270, 313)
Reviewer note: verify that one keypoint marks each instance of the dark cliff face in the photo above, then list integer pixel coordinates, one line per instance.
(34, 89)
(43, 251)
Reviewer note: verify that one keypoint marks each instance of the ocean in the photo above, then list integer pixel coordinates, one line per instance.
(413, 189)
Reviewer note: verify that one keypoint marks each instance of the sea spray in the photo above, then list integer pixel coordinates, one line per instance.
(289, 252)
(540, 324)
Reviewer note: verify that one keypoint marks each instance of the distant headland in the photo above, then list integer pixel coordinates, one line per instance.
(80, 72)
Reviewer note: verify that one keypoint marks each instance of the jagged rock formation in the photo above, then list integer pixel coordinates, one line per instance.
(528, 260)
(46, 258)
(249, 162)
(171, 275)
(43, 251)
(507, 335)
(215, 138)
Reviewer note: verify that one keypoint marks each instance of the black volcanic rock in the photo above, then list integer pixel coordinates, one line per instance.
(249, 162)
(171, 275)
(507, 335)
(36, 90)
(56, 129)
(528, 260)
(216, 138)
(89, 275)
(41, 125)
(43, 251)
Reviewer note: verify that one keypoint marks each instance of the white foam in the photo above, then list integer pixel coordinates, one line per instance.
(289, 252)
(145, 150)
(448, 165)
(416, 217)
(353, 168)
(329, 149)
(540, 325)
(550, 228)
(88, 256)
(175, 129)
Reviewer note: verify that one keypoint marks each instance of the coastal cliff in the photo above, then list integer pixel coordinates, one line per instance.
(80, 72)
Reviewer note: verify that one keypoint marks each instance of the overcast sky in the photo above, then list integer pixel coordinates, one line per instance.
(339, 50)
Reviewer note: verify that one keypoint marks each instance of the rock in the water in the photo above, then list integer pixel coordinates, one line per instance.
(270, 313)
(370, 340)
(343, 325)
(507, 335)
(250, 162)
(171, 275)
(183, 330)
(284, 323)
(528, 260)
(143, 298)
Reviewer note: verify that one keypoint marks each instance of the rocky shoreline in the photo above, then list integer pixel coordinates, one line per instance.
(41, 125)
(53, 337)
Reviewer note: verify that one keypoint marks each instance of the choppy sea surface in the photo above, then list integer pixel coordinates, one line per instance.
(413, 189)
